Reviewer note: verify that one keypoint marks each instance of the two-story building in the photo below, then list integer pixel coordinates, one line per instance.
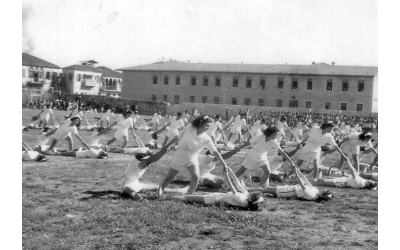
(111, 82)
(314, 86)
(38, 73)
(83, 79)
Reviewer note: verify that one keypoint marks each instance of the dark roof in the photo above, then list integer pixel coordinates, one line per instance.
(109, 72)
(84, 68)
(29, 60)
(312, 69)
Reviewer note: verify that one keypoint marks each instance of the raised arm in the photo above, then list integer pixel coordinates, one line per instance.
(229, 154)
(158, 155)
(80, 138)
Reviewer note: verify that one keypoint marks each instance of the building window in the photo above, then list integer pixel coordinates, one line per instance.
(165, 79)
(114, 84)
(48, 75)
(155, 79)
(78, 78)
(328, 105)
(345, 85)
(191, 99)
(217, 81)
(343, 106)
(247, 101)
(193, 80)
(176, 99)
(294, 83)
(204, 99)
(23, 73)
(165, 98)
(279, 103)
(293, 103)
(234, 101)
(248, 82)
(205, 80)
(216, 100)
(261, 102)
(110, 84)
(280, 83)
(309, 83)
(178, 80)
(360, 85)
(262, 83)
(70, 76)
(329, 86)
(308, 104)
(153, 97)
(359, 107)
(235, 81)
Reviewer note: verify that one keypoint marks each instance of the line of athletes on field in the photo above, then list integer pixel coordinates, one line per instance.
(263, 142)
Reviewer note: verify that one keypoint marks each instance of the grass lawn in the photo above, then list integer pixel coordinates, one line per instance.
(70, 203)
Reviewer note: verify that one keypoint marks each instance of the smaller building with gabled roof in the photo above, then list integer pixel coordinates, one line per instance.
(82, 79)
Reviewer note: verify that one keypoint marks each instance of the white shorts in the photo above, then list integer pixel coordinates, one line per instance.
(62, 136)
(251, 164)
(280, 135)
(287, 191)
(183, 158)
(45, 118)
(306, 155)
(208, 176)
(347, 148)
(172, 133)
(121, 133)
(236, 130)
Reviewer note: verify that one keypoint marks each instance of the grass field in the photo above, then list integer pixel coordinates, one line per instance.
(70, 203)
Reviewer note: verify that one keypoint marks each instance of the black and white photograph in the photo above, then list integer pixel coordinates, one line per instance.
(184, 124)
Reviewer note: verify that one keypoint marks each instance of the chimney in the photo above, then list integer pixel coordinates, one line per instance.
(333, 63)
(188, 61)
(313, 62)
(200, 62)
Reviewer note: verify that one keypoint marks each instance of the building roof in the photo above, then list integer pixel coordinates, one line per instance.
(312, 69)
(83, 68)
(109, 72)
(29, 60)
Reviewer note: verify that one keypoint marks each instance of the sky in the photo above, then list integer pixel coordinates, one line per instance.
(123, 33)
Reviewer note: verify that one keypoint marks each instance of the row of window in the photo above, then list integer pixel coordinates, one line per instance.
(247, 102)
(39, 74)
(193, 80)
(262, 83)
(84, 77)
(111, 84)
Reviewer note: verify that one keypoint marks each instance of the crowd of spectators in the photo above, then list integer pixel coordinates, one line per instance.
(292, 118)
(97, 104)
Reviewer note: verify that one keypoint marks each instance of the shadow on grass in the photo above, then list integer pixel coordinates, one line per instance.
(109, 194)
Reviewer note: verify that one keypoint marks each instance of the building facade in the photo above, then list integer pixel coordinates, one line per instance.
(38, 73)
(315, 86)
(82, 79)
(111, 82)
